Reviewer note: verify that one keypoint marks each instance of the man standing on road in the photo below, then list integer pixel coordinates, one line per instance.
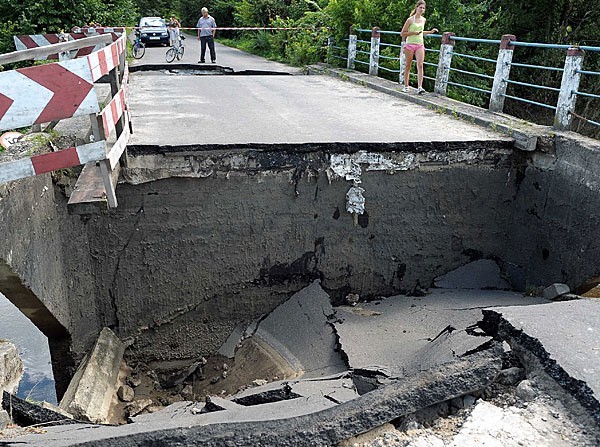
(206, 32)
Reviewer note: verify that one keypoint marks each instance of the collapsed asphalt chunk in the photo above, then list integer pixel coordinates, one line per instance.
(26, 413)
(566, 349)
(401, 336)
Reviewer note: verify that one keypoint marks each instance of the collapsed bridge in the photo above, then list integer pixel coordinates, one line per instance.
(222, 217)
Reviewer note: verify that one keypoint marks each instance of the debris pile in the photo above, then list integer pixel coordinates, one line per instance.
(449, 367)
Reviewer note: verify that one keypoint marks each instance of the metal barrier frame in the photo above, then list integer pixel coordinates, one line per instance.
(110, 63)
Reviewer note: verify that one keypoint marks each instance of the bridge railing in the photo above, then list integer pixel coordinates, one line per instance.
(48, 93)
(484, 71)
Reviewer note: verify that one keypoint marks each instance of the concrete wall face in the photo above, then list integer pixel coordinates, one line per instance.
(182, 261)
(556, 215)
(44, 268)
(187, 259)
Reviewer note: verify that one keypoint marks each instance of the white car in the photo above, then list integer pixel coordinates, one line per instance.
(153, 30)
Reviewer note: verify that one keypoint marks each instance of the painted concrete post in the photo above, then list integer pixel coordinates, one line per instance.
(505, 55)
(330, 43)
(374, 57)
(443, 69)
(568, 86)
(352, 38)
(402, 63)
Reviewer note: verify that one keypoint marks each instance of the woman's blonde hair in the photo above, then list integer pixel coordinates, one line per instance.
(414, 10)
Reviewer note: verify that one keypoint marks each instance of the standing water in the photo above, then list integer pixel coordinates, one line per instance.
(37, 383)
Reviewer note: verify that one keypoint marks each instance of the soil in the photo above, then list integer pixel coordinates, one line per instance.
(255, 364)
(31, 144)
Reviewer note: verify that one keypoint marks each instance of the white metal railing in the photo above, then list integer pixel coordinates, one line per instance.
(497, 84)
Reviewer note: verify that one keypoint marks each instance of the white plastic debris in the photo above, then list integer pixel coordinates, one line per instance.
(355, 201)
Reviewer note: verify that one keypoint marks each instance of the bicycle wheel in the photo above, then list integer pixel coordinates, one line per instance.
(180, 52)
(170, 56)
(138, 50)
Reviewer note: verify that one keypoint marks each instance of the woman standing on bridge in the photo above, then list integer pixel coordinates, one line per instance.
(413, 31)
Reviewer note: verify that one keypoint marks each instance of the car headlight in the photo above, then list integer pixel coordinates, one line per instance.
(144, 35)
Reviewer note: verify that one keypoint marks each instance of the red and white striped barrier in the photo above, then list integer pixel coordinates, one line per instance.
(26, 42)
(94, 30)
(113, 111)
(40, 164)
(45, 93)
(103, 61)
(55, 91)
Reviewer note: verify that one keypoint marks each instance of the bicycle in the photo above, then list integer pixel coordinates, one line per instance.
(138, 49)
(176, 51)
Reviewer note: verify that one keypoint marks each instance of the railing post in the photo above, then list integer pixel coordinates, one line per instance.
(443, 69)
(330, 42)
(505, 55)
(402, 63)
(352, 38)
(374, 58)
(568, 86)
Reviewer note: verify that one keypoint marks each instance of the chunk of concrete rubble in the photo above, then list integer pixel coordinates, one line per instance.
(228, 348)
(337, 388)
(555, 290)
(125, 393)
(172, 374)
(301, 421)
(215, 403)
(55, 408)
(559, 337)
(4, 419)
(300, 331)
(480, 274)
(91, 390)
(137, 406)
(11, 367)
(511, 376)
(402, 335)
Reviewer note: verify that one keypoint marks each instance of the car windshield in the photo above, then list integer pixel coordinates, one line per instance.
(153, 22)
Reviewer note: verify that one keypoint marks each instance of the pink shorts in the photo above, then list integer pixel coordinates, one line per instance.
(414, 47)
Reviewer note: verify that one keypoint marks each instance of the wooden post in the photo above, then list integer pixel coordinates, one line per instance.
(114, 79)
(122, 62)
(502, 74)
(374, 57)
(443, 69)
(105, 169)
(352, 38)
(568, 86)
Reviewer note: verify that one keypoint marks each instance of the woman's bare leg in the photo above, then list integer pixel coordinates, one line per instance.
(409, 57)
(420, 53)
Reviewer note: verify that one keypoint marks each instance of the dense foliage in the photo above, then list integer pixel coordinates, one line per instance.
(48, 16)
(546, 21)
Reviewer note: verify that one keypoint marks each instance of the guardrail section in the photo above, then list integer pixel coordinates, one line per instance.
(60, 90)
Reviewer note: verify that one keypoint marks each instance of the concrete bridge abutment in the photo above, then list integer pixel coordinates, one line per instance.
(206, 238)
